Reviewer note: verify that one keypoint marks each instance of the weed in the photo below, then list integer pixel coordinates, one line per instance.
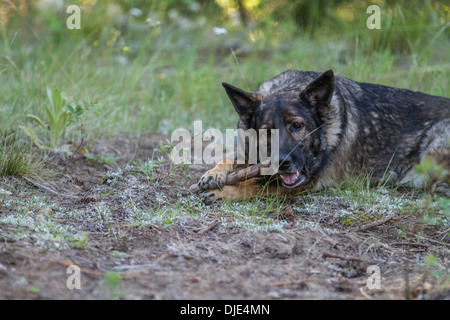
(118, 254)
(436, 209)
(112, 281)
(59, 116)
(431, 171)
(33, 289)
(79, 241)
(434, 268)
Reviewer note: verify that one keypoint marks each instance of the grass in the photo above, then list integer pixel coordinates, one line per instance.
(18, 159)
(123, 205)
(167, 77)
(157, 77)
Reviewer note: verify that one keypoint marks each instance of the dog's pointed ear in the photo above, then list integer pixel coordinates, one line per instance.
(320, 91)
(244, 102)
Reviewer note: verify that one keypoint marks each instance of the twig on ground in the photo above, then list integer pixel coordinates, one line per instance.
(90, 272)
(348, 258)
(210, 226)
(124, 275)
(76, 151)
(364, 294)
(406, 243)
(436, 242)
(41, 186)
(374, 224)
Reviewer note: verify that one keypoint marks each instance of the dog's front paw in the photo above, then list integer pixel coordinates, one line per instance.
(213, 179)
(226, 193)
(208, 196)
(216, 177)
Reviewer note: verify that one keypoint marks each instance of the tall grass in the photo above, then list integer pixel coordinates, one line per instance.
(17, 160)
(157, 76)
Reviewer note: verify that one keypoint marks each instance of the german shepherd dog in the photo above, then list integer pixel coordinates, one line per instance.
(330, 128)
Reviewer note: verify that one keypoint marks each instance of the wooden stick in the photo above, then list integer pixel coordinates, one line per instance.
(208, 227)
(239, 176)
(406, 243)
(435, 241)
(245, 174)
(91, 272)
(374, 224)
(48, 189)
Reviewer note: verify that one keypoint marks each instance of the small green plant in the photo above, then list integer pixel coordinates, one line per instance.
(34, 289)
(431, 171)
(164, 148)
(433, 174)
(444, 203)
(79, 241)
(185, 170)
(432, 267)
(112, 281)
(118, 254)
(435, 269)
(149, 167)
(59, 116)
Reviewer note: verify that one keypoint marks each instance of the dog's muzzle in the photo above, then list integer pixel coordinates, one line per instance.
(293, 179)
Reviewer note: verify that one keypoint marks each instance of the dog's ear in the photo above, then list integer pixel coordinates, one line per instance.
(244, 102)
(320, 91)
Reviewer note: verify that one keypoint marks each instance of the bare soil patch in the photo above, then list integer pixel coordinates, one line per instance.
(121, 225)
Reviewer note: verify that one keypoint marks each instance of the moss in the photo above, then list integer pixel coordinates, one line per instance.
(357, 219)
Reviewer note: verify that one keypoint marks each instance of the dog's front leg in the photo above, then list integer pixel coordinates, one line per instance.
(216, 177)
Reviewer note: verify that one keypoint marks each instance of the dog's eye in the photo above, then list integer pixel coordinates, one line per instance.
(298, 125)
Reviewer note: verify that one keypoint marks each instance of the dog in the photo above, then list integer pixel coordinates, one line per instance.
(331, 127)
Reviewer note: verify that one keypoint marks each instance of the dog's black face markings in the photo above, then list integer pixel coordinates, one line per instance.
(299, 118)
(296, 123)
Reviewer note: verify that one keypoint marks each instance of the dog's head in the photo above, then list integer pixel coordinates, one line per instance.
(299, 118)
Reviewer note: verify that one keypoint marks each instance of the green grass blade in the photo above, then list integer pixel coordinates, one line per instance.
(38, 120)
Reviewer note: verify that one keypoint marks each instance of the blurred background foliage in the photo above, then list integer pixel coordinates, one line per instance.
(402, 20)
(157, 65)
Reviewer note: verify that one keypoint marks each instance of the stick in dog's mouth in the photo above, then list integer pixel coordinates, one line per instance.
(235, 177)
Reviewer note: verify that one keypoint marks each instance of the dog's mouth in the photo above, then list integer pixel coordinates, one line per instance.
(294, 179)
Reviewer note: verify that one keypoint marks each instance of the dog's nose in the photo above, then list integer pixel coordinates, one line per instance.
(285, 162)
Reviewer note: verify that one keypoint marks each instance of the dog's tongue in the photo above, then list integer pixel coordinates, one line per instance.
(289, 177)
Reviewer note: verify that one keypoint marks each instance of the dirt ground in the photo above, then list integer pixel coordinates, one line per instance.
(195, 258)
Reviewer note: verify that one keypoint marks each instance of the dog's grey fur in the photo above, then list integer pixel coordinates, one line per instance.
(332, 127)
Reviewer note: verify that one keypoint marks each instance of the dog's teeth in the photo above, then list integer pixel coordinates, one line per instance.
(296, 173)
(282, 176)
